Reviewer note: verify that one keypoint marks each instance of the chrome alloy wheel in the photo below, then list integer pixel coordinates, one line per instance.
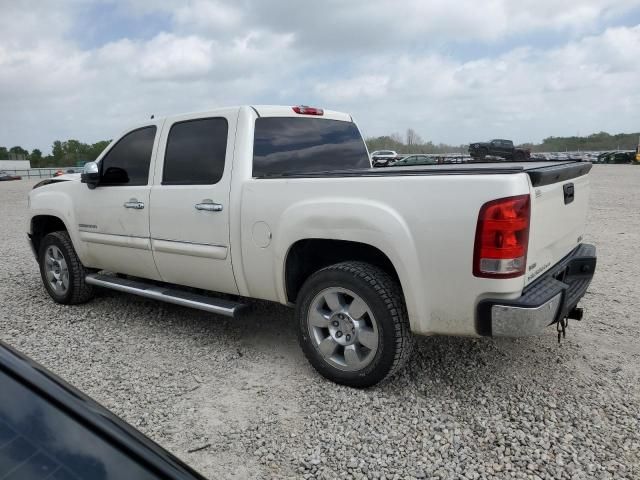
(343, 329)
(56, 270)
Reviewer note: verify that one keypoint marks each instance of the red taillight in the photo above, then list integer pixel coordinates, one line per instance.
(304, 110)
(502, 238)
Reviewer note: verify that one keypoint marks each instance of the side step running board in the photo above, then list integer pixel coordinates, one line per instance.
(165, 294)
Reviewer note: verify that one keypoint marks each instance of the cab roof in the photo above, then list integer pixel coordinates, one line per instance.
(287, 111)
(267, 111)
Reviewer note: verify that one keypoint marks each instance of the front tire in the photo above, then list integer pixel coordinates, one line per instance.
(353, 325)
(63, 275)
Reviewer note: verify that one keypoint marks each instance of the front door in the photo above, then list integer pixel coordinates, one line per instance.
(189, 218)
(113, 218)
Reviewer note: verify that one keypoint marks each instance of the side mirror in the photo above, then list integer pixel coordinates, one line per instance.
(90, 175)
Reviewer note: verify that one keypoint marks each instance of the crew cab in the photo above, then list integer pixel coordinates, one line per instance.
(498, 148)
(281, 203)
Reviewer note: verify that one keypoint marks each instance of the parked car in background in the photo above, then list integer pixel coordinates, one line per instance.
(498, 148)
(415, 160)
(617, 157)
(5, 176)
(382, 158)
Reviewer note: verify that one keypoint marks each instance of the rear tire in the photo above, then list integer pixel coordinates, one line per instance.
(353, 325)
(63, 275)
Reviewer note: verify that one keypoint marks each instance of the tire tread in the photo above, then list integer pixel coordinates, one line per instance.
(81, 292)
(389, 291)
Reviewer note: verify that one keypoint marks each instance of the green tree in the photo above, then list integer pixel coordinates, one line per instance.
(57, 151)
(35, 158)
(96, 149)
(73, 151)
(4, 153)
(18, 153)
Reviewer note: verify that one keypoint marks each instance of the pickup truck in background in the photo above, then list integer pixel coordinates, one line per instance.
(280, 203)
(498, 148)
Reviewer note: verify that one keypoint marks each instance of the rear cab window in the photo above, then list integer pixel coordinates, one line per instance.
(303, 145)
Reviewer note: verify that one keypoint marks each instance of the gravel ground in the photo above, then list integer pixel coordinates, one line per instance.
(243, 394)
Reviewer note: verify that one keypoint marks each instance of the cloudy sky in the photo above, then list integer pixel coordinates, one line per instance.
(456, 72)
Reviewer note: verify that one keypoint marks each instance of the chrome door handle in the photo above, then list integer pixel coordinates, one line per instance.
(133, 203)
(209, 207)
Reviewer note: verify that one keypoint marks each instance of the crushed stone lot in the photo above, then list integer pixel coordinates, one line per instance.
(237, 399)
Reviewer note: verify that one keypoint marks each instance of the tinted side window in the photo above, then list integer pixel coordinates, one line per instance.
(127, 163)
(300, 145)
(195, 153)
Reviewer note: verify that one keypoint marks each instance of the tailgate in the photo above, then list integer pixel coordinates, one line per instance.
(559, 199)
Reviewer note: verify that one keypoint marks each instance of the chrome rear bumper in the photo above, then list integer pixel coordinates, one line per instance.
(547, 300)
(511, 321)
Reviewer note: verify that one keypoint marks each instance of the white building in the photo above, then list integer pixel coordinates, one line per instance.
(15, 165)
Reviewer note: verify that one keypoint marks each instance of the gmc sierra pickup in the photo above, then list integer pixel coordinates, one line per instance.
(281, 204)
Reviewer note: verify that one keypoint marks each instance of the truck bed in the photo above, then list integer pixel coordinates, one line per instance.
(541, 173)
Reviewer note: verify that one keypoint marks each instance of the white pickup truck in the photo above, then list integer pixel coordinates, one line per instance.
(281, 204)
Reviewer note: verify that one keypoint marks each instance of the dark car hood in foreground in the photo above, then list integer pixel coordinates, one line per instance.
(49, 429)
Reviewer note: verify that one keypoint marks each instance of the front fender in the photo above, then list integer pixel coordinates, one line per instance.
(56, 201)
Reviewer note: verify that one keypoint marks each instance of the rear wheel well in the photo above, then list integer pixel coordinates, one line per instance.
(41, 225)
(307, 256)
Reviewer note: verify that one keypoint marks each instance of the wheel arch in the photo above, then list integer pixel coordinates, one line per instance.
(43, 224)
(307, 256)
(51, 202)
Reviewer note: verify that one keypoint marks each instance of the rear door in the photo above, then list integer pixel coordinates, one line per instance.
(502, 148)
(507, 148)
(189, 218)
(558, 215)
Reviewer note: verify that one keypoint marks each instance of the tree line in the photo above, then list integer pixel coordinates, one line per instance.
(63, 154)
(410, 143)
(595, 141)
(602, 141)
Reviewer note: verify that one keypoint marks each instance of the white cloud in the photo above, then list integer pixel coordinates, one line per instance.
(362, 87)
(389, 63)
(381, 25)
(210, 17)
(587, 85)
(167, 57)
